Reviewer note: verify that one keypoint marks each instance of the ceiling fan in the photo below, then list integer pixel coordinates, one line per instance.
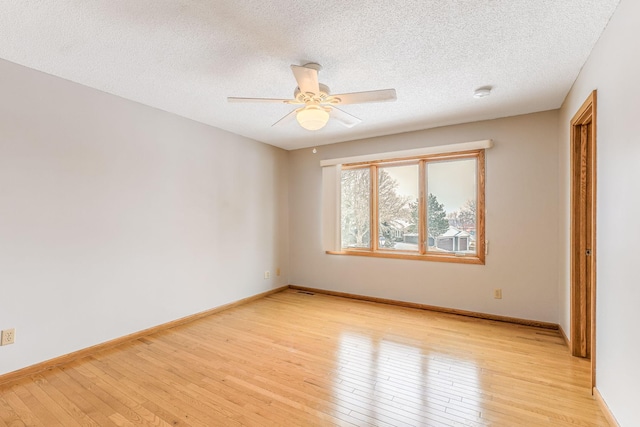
(318, 104)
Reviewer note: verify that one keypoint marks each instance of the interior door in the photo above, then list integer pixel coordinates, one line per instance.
(583, 226)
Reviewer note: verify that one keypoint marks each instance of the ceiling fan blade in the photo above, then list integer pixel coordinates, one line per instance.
(273, 100)
(383, 95)
(307, 79)
(286, 119)
(343, 117)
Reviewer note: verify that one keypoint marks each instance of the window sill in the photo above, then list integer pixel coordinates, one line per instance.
(466, 259)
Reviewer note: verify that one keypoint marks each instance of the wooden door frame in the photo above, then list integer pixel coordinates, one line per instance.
(583, 232)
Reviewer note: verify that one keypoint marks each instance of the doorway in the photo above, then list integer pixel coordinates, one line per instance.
(583, 231)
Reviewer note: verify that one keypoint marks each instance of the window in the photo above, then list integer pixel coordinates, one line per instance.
(428, 207)
(355, 185)
(398, 207)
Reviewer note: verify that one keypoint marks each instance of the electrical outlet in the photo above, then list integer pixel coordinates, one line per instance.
(497, 293)
(278, 271)
(8, 336)
(267, 275)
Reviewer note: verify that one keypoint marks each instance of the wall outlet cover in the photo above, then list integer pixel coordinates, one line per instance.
(8, 337)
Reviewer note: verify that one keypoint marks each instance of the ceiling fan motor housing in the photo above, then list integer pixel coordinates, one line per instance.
(308, 97)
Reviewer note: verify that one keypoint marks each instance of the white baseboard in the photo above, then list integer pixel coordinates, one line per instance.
(605, 408)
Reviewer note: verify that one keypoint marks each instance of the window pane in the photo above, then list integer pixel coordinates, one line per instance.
(398, 207)
(356, 208)
(451, 206)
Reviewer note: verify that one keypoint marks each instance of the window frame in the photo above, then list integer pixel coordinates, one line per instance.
(422, 253)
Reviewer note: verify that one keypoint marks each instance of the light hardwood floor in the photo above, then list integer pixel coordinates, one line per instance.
(303, 360)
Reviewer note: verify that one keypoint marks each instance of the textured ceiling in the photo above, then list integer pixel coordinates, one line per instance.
(186, 57)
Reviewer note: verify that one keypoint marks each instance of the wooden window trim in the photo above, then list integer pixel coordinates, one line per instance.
(373, 215)
(422, 253)
(468, 259)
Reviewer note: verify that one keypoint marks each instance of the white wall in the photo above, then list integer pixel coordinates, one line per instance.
(115, 217)
(522, 210)
(614, 70)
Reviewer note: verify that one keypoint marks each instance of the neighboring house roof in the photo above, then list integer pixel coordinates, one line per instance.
(398, 224)
(454, 232)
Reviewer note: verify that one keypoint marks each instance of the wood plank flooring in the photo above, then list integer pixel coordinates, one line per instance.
(294, 359)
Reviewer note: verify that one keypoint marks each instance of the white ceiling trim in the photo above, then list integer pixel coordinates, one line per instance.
(407, 154)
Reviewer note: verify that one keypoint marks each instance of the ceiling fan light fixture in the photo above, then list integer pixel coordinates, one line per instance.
(312, 117)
